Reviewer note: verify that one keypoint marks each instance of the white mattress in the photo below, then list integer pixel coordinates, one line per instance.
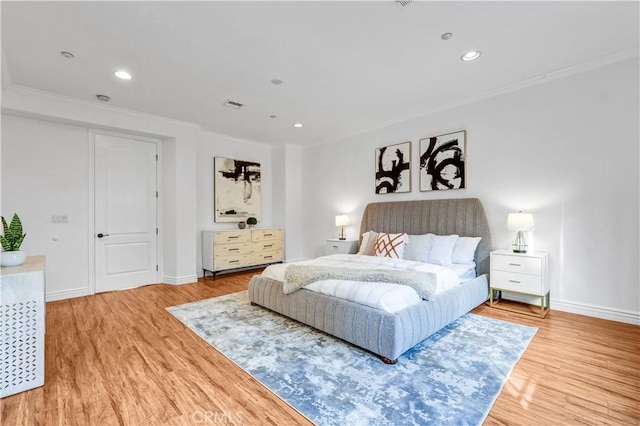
(387, 297)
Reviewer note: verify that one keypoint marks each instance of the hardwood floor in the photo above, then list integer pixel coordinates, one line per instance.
(120, 358)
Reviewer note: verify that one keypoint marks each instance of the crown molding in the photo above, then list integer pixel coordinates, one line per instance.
(515, 87)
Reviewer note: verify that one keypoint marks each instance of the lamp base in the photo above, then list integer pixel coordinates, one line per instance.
(519, 244)
(342, 235)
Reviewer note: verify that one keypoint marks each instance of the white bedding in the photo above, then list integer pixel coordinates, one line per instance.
(388, 297)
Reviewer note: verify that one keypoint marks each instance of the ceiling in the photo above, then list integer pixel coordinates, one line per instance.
(346, 67)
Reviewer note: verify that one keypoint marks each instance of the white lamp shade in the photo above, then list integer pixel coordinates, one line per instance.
(520, 222)
(342, 220)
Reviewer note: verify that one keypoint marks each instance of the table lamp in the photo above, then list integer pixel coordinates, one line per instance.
(520, 222)
(342, 220)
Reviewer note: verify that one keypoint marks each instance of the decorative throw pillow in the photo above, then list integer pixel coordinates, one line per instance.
(465, 250)
(390, 245)
(442, 249)
(368, 243)
(418, 247)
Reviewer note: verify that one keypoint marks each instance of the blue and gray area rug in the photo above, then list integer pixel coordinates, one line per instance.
(451, 378)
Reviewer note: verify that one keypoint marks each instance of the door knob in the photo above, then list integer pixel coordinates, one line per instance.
(100, 235)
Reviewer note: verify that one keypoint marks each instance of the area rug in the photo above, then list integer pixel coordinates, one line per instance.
(451, 378)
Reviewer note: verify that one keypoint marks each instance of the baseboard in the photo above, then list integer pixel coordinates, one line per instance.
(597, 311)
(186, 279)
(67, 294)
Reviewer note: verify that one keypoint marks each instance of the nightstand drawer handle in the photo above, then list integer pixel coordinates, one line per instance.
(514, 281)
(515, 264)
(334, 246)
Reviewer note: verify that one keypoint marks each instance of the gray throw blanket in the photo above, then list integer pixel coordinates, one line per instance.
(297, 276)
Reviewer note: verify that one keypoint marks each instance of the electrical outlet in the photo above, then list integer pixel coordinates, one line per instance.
(59, 218)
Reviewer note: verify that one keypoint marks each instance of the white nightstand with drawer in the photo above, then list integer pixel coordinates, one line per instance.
(522, 273)
(335, 246)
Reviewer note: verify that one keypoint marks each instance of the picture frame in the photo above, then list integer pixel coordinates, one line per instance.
(442, 162)
(393, 168)
(237, 190)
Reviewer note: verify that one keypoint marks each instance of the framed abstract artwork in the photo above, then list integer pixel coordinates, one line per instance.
(442, 164)
(393, 168)
(237, 190)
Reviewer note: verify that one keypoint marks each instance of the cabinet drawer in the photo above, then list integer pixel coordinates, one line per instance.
(228, 262)
(517, 264)
(232, 249)
(231, 237)
(258, 235)
(522, 283)
(268, 245)
(267, 257)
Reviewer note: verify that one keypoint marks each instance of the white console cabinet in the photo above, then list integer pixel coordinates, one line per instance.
(22, 301)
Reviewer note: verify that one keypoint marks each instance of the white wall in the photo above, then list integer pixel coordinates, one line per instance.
(566, 151)
(215, 145)
(52, 118)
(46, 172)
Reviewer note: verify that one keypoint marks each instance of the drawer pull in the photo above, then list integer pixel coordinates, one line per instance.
(234, 261)
(268, 245)
(515, 264)
(268, 235)
(231, 237)
(234, 249)
(268, 257)
(335, 247)
(514, 281)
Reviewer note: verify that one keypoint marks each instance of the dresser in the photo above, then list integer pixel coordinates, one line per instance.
(227, 250)
(335, 246)
(23, 326)
(520, 273)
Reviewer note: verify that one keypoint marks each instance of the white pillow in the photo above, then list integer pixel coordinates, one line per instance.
(390, 245)
(465, 249)
(368, 243)
(442, 249)
(418, 247)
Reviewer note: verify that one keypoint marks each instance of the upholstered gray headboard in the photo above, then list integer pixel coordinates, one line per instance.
(462, 216)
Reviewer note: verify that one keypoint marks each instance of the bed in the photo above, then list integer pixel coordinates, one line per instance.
(386, 334)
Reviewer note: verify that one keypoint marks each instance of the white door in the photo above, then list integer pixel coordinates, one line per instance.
(125, 213)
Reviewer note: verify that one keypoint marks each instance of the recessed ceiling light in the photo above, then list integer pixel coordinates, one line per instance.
(123, 75)
(471, 55)
(276, 81)
(103, 98)
(298, 125)
(67, 55)
(446, 36)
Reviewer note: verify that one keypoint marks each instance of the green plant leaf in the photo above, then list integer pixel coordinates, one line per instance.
(5, 226)
(16, 226)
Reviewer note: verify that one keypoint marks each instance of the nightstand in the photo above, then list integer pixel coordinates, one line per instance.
(335, 246)
(521, 273)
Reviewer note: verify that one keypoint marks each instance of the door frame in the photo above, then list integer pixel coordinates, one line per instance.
(91, 190)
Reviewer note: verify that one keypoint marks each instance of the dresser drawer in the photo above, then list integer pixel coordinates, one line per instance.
(231, 237)
(267, 245)
(267, 257)
(521, 283)
(258, 235)
(517, 264)
(233, 249)
(228, 262)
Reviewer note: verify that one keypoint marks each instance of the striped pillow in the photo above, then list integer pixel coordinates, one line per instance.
(390, 245)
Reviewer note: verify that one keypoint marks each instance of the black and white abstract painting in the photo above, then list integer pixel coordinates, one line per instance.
(237, 190)
(442, 162)
(393, 168)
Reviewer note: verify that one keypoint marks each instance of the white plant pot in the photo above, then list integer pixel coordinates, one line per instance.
(12, 258)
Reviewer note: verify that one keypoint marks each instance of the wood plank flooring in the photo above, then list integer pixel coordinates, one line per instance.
(120, 358)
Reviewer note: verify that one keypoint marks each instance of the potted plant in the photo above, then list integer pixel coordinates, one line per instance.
(252, 221)
(11, 242)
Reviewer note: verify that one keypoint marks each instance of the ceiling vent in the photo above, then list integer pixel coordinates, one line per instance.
(403, 3)
(233, 104)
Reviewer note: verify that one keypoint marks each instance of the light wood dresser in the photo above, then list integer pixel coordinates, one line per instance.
(228, 250)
